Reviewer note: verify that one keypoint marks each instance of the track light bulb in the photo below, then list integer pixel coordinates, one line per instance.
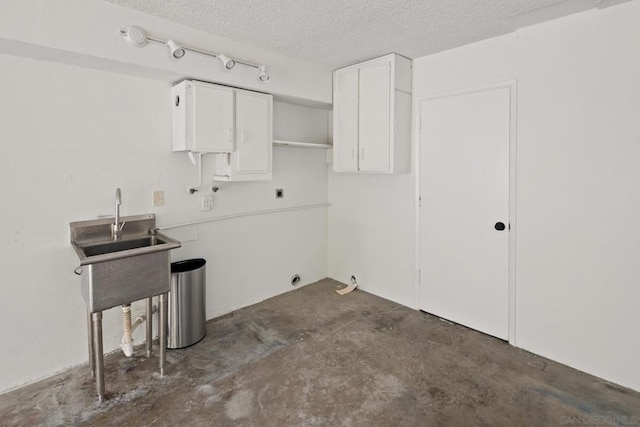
(176, 51)
(135, 36)
(226, 61)
(263, 76)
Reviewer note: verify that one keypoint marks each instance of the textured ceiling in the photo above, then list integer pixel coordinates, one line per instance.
(341, 32)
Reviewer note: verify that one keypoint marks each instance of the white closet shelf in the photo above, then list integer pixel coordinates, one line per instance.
(301, 144)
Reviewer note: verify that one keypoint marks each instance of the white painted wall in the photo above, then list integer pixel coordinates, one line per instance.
(86, 32)
(578, 167)
(371, 233)
(293, 123)
(70, 136)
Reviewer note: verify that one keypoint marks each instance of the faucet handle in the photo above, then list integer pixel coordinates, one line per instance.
(121, 225)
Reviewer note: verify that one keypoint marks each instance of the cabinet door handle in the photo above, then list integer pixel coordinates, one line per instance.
(242, 135)
(229, 136)
(353, 153)
(362, 153)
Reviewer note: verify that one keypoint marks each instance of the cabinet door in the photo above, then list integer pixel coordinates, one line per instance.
(374, 123)
(345, 120)
(254, 139)
(212, 116)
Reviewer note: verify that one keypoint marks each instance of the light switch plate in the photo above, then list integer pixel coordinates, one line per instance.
(158, 198)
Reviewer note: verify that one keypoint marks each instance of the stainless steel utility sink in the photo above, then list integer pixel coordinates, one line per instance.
(116, 272)
(122, 259)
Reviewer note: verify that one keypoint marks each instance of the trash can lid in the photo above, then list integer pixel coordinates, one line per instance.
(187, 265)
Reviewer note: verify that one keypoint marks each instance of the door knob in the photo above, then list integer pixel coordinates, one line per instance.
(499, 226)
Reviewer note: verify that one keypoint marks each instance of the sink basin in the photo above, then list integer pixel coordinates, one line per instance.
(93, 242)
(154, 242)
(116, 272)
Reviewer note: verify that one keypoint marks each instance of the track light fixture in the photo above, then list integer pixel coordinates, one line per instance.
(137, 37)
(263, 76)
(226, 61)
(176, 51)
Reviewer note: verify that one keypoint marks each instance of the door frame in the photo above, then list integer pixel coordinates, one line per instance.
(417, 128)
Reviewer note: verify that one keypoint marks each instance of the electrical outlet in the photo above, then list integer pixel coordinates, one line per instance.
(158, 198)
(206, 203)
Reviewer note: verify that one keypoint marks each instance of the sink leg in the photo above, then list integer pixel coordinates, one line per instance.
(92, 360)
(162, 330)
(149, 325)
(98, 353)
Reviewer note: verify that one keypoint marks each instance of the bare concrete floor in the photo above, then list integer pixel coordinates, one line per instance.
(312, 357)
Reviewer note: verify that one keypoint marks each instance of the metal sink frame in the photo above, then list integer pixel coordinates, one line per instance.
(119, 271)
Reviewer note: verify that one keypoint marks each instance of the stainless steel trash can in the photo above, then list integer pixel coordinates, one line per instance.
(187, 303)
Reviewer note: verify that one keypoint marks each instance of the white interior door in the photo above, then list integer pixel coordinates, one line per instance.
(464, 188)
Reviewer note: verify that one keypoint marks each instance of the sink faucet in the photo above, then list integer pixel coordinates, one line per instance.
(116, 227)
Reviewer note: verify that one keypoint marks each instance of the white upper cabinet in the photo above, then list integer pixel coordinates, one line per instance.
(234, 124)
(345, 120)
(202, 117)
(251, 160)
(372, 116)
